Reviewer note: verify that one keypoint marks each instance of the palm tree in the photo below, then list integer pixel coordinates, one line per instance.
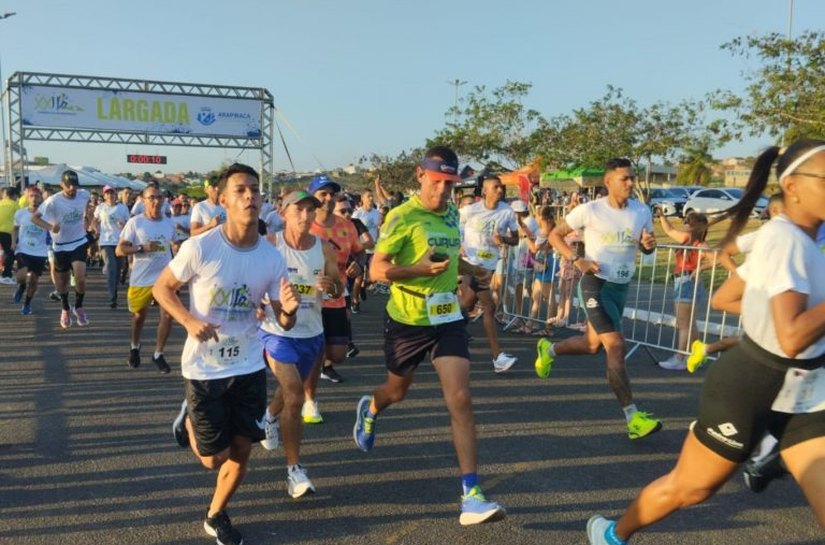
(694, 165)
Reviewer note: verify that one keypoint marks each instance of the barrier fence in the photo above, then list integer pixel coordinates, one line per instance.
(538, 291)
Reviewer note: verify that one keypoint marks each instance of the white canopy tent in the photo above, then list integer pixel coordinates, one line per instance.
(88, 177)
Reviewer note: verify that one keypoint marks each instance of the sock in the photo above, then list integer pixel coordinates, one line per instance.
(78, 299)
(269, 417)
(552, 351)
(29, 299)
(21, 287)
(157, 354)
(468, 481)
(372, 412)
(292, 468)
(629, 411)
(612, 537)
(64, 299)
(134, 346)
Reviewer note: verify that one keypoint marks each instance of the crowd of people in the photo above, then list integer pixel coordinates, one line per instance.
(274, 285)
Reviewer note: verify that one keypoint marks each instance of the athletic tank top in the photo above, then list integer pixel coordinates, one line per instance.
(303, 267)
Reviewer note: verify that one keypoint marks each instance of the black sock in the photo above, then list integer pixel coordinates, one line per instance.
(21, 287)
(78, 299)
(29, 299)
(64, 299)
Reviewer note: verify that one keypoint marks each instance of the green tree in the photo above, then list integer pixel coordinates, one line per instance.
(785, 95)
(493, 128)
(694, 164)
(397, 173)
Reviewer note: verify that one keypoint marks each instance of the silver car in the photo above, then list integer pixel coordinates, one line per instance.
(709, 201)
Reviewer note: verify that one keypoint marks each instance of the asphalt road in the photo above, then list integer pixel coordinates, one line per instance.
(87, 456)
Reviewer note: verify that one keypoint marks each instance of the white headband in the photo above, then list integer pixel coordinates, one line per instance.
(799, 160)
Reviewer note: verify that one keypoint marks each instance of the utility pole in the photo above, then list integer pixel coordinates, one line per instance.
(790, 28)
(456, 83)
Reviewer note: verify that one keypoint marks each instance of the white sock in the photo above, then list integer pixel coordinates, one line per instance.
(552, 351)
(629, 411)
(292, 468)
(134, 346)
(269, 417)
(158, 354)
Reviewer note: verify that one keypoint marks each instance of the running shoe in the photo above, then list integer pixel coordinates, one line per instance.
(26, 310)
(642, 424)
(504, 362)
(544, 361)
(160, 363)
(134, 358)
(113, 304)
(352, 350)
(65, 319)
(299, 483)
(18, 294)
(310, 412)
(475, 508)
(54, 296)
(364, 430)
(758, 474)
(179, 427)
(80, 314)
(673, 363)
(271, 429)
(698, 356)
(221, 528)
(598, 530)
(329, 373)
(355, 308)
(8, 281)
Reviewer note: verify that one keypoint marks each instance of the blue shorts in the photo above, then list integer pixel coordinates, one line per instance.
(301, 353)
(683, 287)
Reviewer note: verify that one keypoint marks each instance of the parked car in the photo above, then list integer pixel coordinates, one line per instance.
(709, 201)
(666, 202)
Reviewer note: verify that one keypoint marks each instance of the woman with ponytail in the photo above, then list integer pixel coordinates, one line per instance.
(774, 379)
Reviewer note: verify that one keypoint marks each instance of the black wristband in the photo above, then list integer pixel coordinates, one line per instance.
(289, 314)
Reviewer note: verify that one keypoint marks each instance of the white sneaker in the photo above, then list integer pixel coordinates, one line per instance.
(310, 412)
(299, 483)
(8, 281)
(271, 429)
(503, 362)
(597, 527)
(673, 363)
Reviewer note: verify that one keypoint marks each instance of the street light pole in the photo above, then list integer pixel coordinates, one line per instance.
(3, 141)
(456, 83)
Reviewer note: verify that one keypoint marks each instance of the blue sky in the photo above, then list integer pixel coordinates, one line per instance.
(361, 76)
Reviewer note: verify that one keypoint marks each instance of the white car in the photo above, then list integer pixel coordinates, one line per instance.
(709, 201)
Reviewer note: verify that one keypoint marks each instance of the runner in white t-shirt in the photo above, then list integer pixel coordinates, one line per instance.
(370, 216)
(774, 378)
(207, 214)
(292, 354)
(109, 218)
(63, 215)
(181, 220)
(486, 226)
(30, 246)
(151, 239)
(614, 229)
(229, 271)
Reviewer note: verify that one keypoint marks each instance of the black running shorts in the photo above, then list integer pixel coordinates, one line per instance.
(63, 260)
(222, 408)
(32, 263)
(603, 303)
(735, 406)
(336, 326)
(406, 345)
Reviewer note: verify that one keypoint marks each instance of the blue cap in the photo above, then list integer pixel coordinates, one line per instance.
(321, 181)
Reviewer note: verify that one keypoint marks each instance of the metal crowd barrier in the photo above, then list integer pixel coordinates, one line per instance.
(650, 313)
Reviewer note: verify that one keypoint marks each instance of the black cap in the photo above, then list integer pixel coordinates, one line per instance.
(70, 177)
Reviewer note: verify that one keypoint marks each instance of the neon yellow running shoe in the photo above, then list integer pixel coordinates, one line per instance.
(544, 361)
(698, 356)
(642, 424)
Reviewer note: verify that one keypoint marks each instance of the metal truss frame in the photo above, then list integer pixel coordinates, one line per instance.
(18, 134)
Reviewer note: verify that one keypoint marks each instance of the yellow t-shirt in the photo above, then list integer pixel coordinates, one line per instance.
(7, 209)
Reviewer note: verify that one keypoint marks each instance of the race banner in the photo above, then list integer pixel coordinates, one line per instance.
(128, 111)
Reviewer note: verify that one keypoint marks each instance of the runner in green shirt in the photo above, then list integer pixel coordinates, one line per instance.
(417, 251)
